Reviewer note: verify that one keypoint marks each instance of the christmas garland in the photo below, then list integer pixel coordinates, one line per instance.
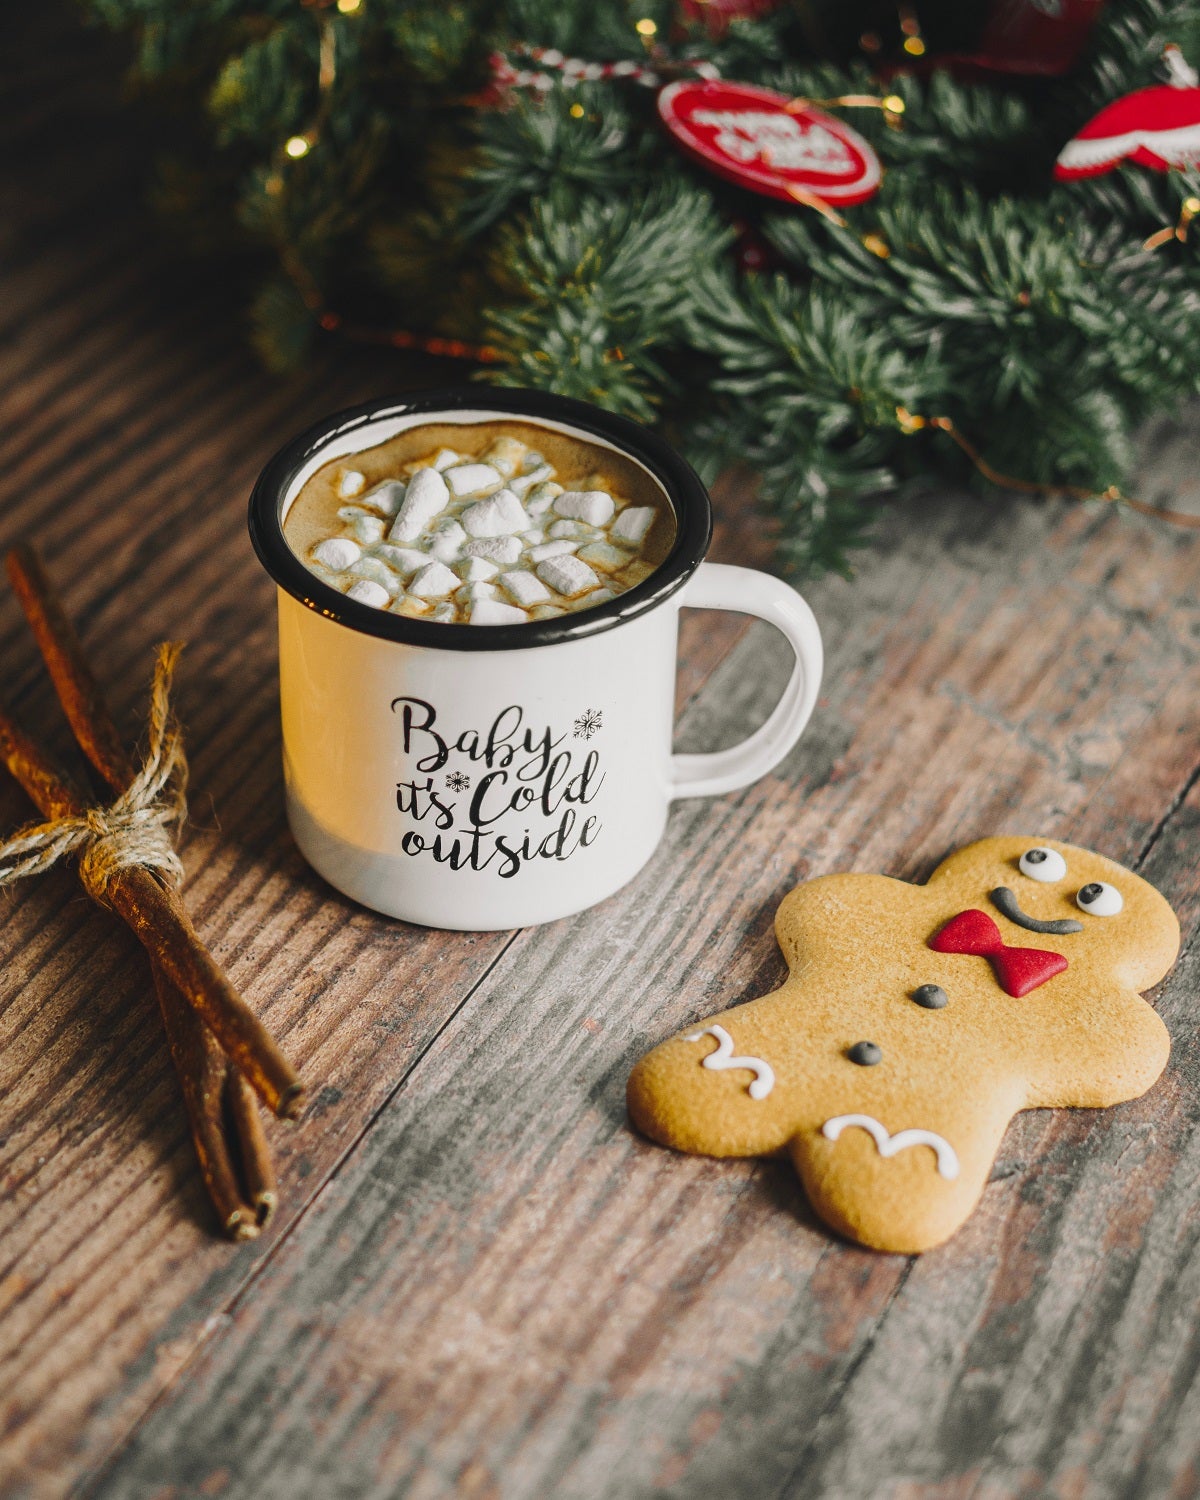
(501, 181)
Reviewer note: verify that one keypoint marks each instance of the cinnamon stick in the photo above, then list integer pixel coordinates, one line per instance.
(208, 1080)
(256, 1157)
(157, 918)
(203, 1071)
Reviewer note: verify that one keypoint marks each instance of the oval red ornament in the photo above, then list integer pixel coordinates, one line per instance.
(751, 137)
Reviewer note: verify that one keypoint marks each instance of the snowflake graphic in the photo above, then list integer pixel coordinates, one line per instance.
(457, 782)
(588, 724)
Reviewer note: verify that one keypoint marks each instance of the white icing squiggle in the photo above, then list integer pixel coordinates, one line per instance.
(947, 1158)
(764, 1073)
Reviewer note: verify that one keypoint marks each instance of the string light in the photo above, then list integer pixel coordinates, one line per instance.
(891, 104)
(909, 423)
(911, 28)
(348, 7)
(1188, 210)
(297, 146)
(576, 111)
(810, 200)
(646, 27)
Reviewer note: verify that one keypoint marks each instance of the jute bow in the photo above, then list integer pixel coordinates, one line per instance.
(137, 828)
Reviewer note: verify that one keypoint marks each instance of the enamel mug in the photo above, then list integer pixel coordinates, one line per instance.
(482, 777)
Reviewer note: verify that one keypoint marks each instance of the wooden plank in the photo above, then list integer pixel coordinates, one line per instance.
(503, 1291)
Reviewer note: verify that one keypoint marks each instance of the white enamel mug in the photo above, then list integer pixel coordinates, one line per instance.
(476, 777)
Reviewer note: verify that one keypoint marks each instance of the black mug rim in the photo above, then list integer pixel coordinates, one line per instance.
(681, 483)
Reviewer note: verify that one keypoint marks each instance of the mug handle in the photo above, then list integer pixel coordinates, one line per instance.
(720, 586)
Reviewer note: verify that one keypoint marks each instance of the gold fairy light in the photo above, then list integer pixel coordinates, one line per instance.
(297, 146)
(348, 7)
(576, 111)
(910, 423)
(892, 105)
(1188, 210)
(646, 27)
(911, 28)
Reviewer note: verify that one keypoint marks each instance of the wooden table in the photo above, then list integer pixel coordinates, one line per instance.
(481, 1283)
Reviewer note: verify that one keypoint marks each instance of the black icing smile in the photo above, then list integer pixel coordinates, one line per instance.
(1006, 904)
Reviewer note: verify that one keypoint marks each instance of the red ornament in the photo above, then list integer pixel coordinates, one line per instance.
(1156, 127)
(1034, 36)
(715, 15)
(769, 143)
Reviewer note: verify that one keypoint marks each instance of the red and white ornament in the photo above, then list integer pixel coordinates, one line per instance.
(769, 143)
(1157, 127)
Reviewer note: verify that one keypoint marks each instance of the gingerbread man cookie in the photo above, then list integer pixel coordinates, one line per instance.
(915, 1022)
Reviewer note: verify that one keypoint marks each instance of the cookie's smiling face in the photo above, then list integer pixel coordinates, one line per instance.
(1093, 912)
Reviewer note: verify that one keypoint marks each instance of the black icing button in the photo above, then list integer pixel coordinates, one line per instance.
(865, 1054)
(931, 996)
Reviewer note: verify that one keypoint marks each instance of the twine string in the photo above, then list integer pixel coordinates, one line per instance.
(137, 829)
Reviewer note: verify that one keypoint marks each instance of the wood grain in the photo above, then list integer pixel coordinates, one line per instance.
(480, 1282)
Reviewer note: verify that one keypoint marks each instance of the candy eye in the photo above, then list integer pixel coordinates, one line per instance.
(1099, 899)
(1042, 864)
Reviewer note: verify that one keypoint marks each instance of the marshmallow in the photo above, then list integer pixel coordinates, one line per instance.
(387, 497)
(521, 484)
(496, 549)
(367, 529)
(433, 582)
(489, 612)
(446, 541)
(551, 549)
(351, 483)
(542, 497)
(425, 498)
(337, 552)
(476, 570)
(601, 555)
(524, 589)
(633, 524)
(472, 593)
(414, 608)
(366, 592)
(533, 538)
(572, 531)
(567, 575)
(597, 596)
(371, 567)
(546, 612)
(402, 560)
(500, 515)
(444, 614)
(473, 479)
(593, 506)
(445, 458)
(505, 455)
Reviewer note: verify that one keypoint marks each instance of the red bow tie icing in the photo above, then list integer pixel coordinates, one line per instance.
(1018, 970)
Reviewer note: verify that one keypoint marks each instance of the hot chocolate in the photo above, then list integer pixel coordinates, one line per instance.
(485, 523)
